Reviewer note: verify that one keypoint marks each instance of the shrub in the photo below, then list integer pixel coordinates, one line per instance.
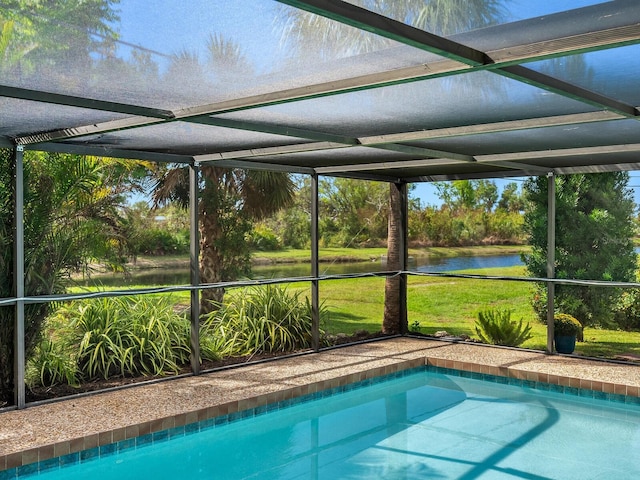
(261, 320)
(114, 337)
(564, 324)
(51, 364)
(497, 328)
(627, 310)
(264, 239)
(128, 336)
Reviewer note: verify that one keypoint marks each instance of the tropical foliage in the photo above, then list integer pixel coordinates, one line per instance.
(264, 319)
(594, 241)
(71, 215)
(354, 213)
(229, 200)
(111, 337)
(496, 327)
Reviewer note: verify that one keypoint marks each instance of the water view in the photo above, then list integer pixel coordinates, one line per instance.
(180, 276)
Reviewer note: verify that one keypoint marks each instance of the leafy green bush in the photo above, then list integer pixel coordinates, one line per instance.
(156, 241)
(123, 337)
(627, 310)
(497, 328)
(51, 364)
(259, 320)
(264, 239)
(114, 337)
(564, 324)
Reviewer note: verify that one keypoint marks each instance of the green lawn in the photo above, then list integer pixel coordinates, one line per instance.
(450, 304)
(366, 254)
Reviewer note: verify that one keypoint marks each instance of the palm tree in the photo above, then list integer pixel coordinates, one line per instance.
(305, 31)
(230, 199)
(393, 319)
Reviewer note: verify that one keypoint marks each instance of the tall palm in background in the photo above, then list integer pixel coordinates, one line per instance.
(307, 32)
(230, 199)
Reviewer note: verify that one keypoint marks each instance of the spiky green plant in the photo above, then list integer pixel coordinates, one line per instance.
(497, 328)
(129, 336)
(261, 319)
(114, 337)
(52, 364)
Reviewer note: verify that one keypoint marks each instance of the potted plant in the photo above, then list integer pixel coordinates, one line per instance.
(565, 331)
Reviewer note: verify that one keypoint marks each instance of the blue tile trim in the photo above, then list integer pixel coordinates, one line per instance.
(543, 386)
(143, 441)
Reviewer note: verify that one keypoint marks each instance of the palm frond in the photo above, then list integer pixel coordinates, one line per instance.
(265, 192)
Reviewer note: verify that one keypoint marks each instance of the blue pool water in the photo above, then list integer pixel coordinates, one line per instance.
(426, 424)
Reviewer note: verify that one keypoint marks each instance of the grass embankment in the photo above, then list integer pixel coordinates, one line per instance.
(369, 254)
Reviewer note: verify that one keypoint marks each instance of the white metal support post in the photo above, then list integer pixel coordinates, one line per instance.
(404, 254)
(315, 286)
(551, 256)
(18, 277)
(194, 265)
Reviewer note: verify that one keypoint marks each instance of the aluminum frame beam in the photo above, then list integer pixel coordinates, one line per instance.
(19, 351)
(315, 267)
(608, 37)
(83, 102)
(551, 255)
(497, 127)
(101, 151)
(194, 268)
(369, 21)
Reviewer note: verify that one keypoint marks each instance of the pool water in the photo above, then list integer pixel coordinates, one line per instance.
(423, 425)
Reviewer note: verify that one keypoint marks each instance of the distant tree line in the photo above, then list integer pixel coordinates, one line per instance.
(354, 213)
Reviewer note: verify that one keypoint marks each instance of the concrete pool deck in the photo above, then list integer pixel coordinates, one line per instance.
(51, 430)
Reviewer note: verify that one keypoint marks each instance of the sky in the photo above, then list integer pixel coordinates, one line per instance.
(170, 28)
(427, 192)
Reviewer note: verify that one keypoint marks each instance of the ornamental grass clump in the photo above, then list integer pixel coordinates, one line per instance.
(497, 328)
(566, 325)
(113, 337)
(129, 336)
(261, 320)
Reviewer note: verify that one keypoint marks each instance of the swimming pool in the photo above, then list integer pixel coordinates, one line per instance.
(426, 423)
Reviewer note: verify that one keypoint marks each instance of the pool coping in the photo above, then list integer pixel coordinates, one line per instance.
(294, 378)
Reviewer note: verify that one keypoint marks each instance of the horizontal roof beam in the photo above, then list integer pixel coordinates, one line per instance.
(564, 152)
(333, 169)
(247, 165)
(269, 151)
(369, 21)
(101, 151)
(284, 130)
(507, 126)
(97, 128)
(83, 102)
(431, 162)
(554, 85)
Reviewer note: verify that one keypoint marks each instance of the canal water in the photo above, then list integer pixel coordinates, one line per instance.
(180, 276)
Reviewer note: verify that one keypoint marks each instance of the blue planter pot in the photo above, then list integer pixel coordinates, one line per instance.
(565, 343)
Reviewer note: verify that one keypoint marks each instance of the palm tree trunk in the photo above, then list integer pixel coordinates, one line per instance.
(391, 322)
(210, 263)
(211, 259)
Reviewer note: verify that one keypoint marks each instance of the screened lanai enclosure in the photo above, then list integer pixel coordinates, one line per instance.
(399, 92)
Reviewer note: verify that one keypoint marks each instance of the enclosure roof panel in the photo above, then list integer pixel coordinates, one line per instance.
(402, 90)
